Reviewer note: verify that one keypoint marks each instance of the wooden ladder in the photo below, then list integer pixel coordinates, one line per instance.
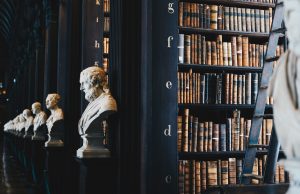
(277, 31)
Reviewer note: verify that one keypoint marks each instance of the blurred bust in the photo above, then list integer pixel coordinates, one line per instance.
(93, 83)
(56, 112)
(40, 116)
(21, 123)
(28, 118)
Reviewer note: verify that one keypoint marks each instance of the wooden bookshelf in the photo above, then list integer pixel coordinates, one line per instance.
(234, 3)
(106, 34)
(106, 14)
(218, 68)
(217, 107)
(204, 156)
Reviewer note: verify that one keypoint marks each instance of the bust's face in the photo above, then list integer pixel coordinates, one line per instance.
(50, 102)
(35, 108)
(90, 90)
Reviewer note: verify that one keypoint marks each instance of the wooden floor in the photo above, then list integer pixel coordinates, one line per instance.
(12, 179)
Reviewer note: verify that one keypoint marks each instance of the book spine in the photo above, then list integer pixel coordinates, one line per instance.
(235, 89)
(219, 89)
(186, 131)
(223, 138)
(201, 138)
(262, 21)
(180, 13)
(239, 89)
(212, 173)
(195, 134)
(235, 17)
(245, 51)
(207, 16)
(248, 20)
(210, 135)
(203, 41)
(244, 24)
(215, 138)
(242, 129)
(214, 17)
(205, 136)
(214, 58)
(239, 16)
(244, 89)
(239, 51)
(202, 88)
(257, 20)
(198, 177)
(227, 88)
(254, 86)
(187, 49)
(220, 17)
(229, 53)
(252, 17)
(208, 52)
(190, 133)
(232, 170)
(227, 18)
(267, 21)
(225, 54)
(224, 172)
(236, 129)
(187, 177)
(228, 135)
(239, 168)
(181, 177)
(234, 51)
(181, 48)
(220, 49)
(203, 175)
(179, 133)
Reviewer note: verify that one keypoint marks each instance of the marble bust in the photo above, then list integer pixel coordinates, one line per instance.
(285, 89)
(28, 122)
(9, 125)
(57, 116)
(38, 121)
(101, 105)
(20, 125)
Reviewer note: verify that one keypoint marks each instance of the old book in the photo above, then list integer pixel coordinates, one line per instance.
(254, 87)
(190, 86)
(186, 13)
(227, 88)
(198, 15)
(244, 24)
(248, 20)
(181, 87)
(202, 88)
(214, 58)
(208, 52)
(250, 55)
(239, 16)
(181, 177)
(180, 14)
(239, 169)
(234, 51)
(214, 17)
(232, 170)
(244, 89)
(252, 16)
(193, 88)
(281, 174)
(247, 131)
(203, 175)
(255, 171)
(236, 130)
(206, 136)
(219, 88)
(242, 129)
(257, 20)
(225, 54)
(193, 48)
(215, 137)
(220, 49)
(201, 137)
(245, 51)
(207, 16)
(239, 89)
(187, 49)
(198, 177)
(179, 133)
(193, 177)
(186, 91)
(210, 135)
(226, 18)
(220, 17)
(228, 134)
(277, 176)
(223, 140)
(239, 51)
(187, 177)
(190, 134)
(270, 16)
(229, 53)
(267, 21)
(231, 90)
(219, 177)
(195, 134)
(203, 41)
(193, 15)
(232, 16)
(269, 125)
(185, 131)
(235, 89)
(224, 172)
(199, 49)
(212, 173)
(178, 88)
(235, 15)
(262, 20)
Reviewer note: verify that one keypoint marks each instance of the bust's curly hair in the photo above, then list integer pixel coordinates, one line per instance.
(55, 96)
(96, 76)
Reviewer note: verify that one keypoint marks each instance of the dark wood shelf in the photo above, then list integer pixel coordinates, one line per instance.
(106, 14)
(220, 155)
(218, 68)
(217, 107)
(235, 3)
(105, 55)
(190, 30)
(106, 34)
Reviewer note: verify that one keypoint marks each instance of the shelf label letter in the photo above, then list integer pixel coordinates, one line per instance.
(170, 8)
(169, 85)
(168, 179)
(97, 45)
(170, 38)
(167, 132)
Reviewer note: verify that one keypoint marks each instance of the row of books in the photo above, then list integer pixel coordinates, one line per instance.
(197, 49)
(195, 135)
(106, 24)
(105, 64)
(197, 176)
(106, 6)
(221, 88)
(224, 18)
(105, 45)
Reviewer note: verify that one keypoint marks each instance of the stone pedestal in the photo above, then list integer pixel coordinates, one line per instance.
(54, 170)
(97, 174)
(56, 136)
(40, 133)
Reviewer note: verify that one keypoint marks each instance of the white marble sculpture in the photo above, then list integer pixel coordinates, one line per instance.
(20, 125)
(39, 119)
(101, 105)
(56, 115)
(9, 125)
(28, 119)
(285, 89)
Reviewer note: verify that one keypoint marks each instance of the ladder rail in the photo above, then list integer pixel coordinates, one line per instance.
(262, 95)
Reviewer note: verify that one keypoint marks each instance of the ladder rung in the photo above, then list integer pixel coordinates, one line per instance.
(254, 176)
(271, 59)
(279, 3)
(257, 146)
(264, 87)
(279, 30)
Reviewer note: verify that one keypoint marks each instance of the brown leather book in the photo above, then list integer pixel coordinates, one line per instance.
(208, 52)
(234, 51)
(195, 134)
(203, 175)
(244, 24)
(187, 178)
(226, 18)
(212, 173)
(187, 49)
(210, 134)
(245, 51)
(239, 51)
(236, 130)
(198, 177)
(224, 172)
(214, 58)
(262, 20)
(214, 17)
(180, 13)
(220, 17)
(181, 176)
(179, 133)
(229, 53)
(200, 139)
(220, 49)
(185, 131)
(215, 137)
(248, 20)
(232, 170)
